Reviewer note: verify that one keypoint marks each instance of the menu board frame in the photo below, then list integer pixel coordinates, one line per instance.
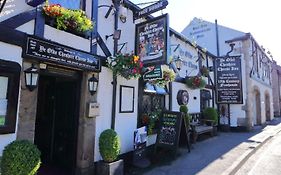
(229, 89)
(167, 129)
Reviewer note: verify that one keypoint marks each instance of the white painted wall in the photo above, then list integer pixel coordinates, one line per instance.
(11, 53)
(12, 8)
(193, 104)
(204, 33)
(188, 54)
(125, 123)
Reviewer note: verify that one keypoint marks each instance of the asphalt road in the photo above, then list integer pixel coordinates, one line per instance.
(266, 161)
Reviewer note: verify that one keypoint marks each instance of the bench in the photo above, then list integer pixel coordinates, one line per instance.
(200, 126)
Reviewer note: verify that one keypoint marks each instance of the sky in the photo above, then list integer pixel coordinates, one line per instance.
(259, 17)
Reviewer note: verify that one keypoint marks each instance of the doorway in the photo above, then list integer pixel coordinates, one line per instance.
(56, 124)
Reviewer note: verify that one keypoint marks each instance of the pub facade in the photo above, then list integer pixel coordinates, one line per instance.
(243, 73)
(58, 91)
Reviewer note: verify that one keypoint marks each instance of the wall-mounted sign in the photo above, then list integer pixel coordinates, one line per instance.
(229, 80)
(182, 97)
(153, 73)
(151, 40)
(63, 55)
(151, 9)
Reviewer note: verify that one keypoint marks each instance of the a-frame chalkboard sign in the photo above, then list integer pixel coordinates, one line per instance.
(172, 128)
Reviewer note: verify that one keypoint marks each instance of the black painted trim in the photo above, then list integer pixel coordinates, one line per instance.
(19, 19)
(121, 100)
(12, 71)
(11, 36)
(39, 23)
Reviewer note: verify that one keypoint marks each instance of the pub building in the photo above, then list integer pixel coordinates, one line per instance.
(243, 74)
(57, 91)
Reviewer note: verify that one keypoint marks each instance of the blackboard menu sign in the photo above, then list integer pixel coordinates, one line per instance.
(229, 80)
(59, 54)
(170, 127)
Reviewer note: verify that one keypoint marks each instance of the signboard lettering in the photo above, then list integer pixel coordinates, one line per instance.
(151, 41)
(152, 8)
(59, 54)
(153, 74)
(229, 80)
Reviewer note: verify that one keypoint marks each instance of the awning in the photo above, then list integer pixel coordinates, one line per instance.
(150, 88)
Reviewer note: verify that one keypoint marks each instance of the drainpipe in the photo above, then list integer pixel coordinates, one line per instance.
(114, 77)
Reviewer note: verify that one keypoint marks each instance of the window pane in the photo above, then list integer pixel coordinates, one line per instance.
(71, 4)
(3, 99)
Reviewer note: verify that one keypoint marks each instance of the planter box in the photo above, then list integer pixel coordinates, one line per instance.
(113, 168)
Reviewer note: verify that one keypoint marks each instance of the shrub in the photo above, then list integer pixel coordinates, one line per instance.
(20, 157)
(211, 114)
(184, 109)
(109, 145)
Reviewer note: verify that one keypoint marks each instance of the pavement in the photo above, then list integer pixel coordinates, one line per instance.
(223, 154)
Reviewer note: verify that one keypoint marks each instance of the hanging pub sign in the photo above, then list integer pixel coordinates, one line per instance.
(151, 41)
(59, 54)
(151, 9)
(153, 73)
(229, 80)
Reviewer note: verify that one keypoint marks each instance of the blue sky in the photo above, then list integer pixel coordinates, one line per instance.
(259, 17)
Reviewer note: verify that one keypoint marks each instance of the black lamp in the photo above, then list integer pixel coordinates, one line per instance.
(116, 35)
(93, 84)
(31, 77)
(178, 62)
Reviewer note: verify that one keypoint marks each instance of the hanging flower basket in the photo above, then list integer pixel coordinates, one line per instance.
(128, 66)
(204, 71)
(67, 19)
(195, 82)
(168, 76)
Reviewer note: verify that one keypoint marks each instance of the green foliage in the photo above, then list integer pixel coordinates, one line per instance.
(168, 76)
(109, 145)
(211, 114)
(20, 157)
(128, 65)
(68, 19)
(195, 82)
(184, 109)
(2, 120)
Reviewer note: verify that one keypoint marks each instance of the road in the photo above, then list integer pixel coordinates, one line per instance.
(266, 161)
(240, 153)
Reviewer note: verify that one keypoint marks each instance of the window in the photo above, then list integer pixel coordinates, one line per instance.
(71, 4)
(9, 90)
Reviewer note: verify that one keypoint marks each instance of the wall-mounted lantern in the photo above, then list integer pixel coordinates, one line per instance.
(123, 13)
(116, 35)
(31, 77)
(93, 84)
(178, 62)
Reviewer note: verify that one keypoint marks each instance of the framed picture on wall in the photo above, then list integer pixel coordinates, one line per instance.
(127, 96)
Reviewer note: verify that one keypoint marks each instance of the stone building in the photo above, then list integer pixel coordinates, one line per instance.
(256, 106)
(276, 78)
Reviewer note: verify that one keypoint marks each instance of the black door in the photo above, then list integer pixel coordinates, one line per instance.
(56, 124)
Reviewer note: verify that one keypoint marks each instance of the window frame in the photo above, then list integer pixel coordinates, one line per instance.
(12, 71)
